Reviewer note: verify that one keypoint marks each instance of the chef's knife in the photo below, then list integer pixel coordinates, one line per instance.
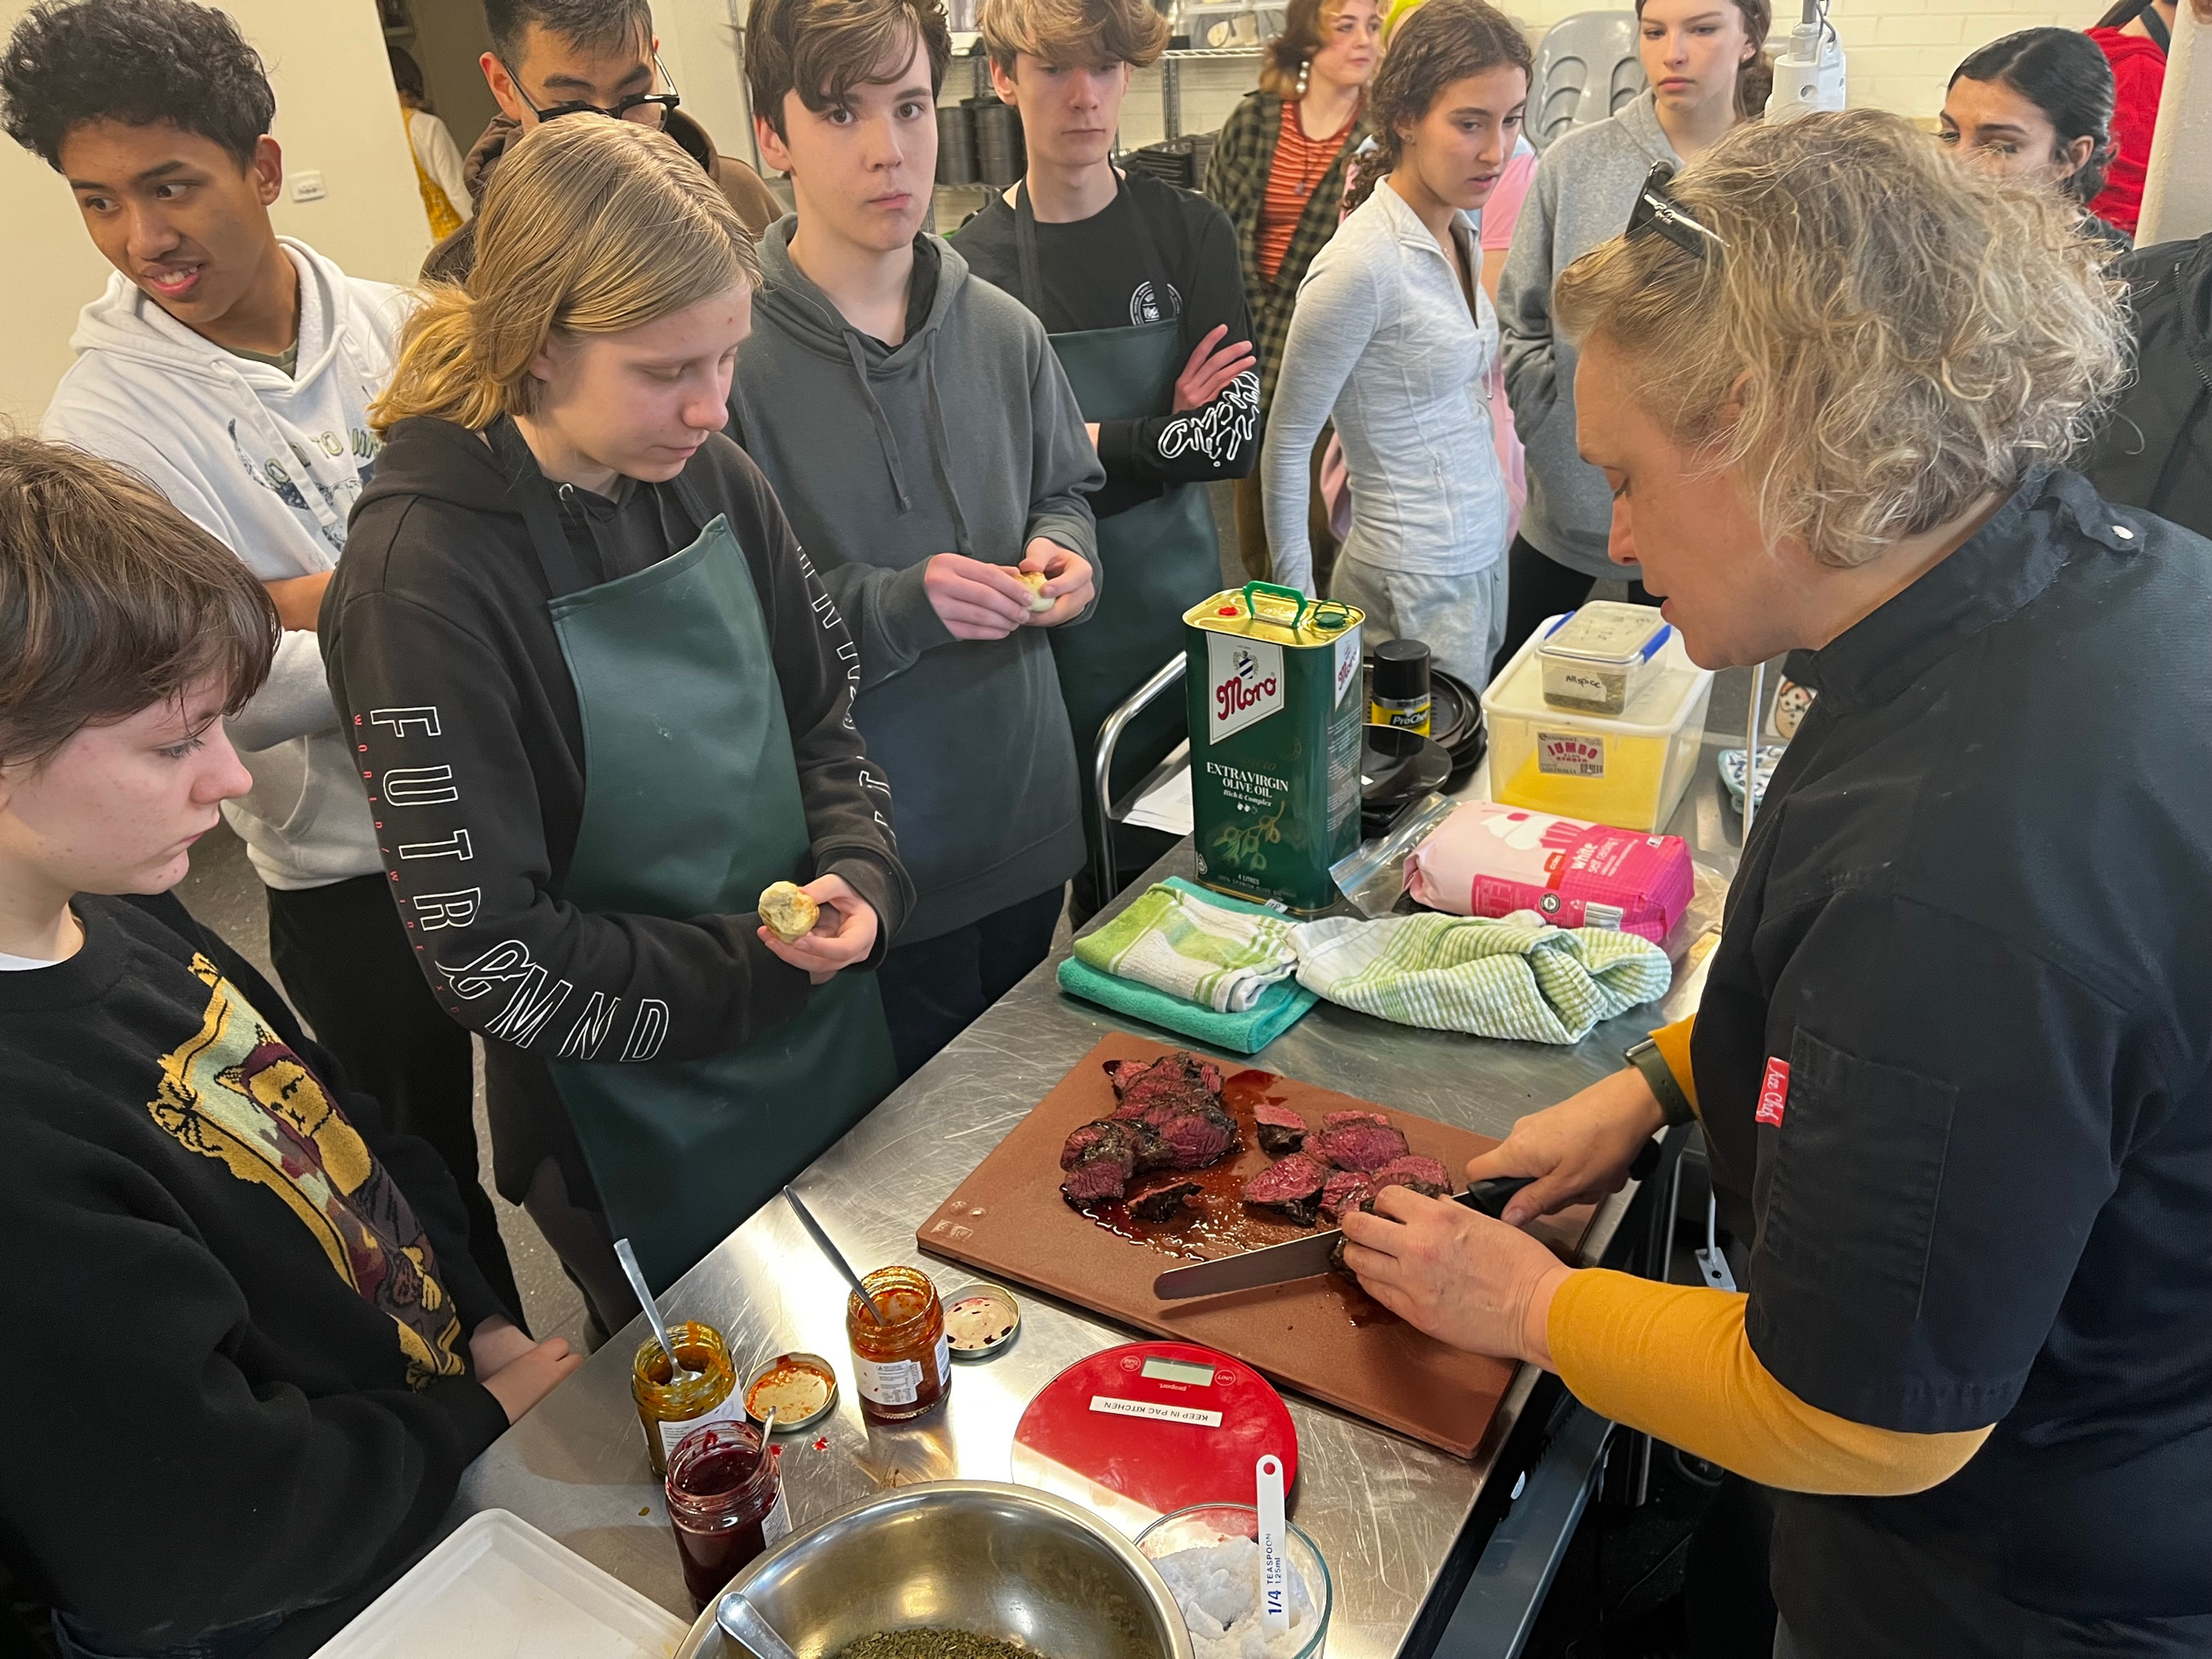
(1300, 1258)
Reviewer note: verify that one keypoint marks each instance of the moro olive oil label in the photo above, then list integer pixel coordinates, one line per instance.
(1275, 710)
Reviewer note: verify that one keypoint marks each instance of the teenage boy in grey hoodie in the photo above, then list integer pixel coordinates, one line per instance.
(233, 369)
(924, 443)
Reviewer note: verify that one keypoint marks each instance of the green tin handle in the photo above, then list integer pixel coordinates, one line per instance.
(1325, 613)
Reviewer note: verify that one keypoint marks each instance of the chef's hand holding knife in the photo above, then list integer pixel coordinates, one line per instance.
(844, 931)
(1483, 1285)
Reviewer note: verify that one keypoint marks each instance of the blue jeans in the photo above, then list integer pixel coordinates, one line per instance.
(78, 1640)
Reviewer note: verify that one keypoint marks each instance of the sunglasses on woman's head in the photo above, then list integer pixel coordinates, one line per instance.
(1656, 209)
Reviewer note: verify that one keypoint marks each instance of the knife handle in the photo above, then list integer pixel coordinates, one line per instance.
(1490, 1196)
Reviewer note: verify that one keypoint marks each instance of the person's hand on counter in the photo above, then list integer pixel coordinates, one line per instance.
(1470, 1282)
(515, 1370)
(1067, 581)
(1209, 370)
(1579, 1150)
(844, 933)
(974, 600)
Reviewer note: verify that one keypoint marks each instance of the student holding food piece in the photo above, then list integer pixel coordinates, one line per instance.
(1954, 1056)
(602, 705)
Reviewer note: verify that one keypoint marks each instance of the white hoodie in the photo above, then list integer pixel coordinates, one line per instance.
(271, 465)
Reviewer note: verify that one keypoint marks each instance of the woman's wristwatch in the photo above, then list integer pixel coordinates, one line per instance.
(1673, 1104)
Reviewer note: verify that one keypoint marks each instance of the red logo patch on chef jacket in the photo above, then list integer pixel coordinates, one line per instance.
(1774, 1092)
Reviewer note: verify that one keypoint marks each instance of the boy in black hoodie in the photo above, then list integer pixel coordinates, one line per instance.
(250, 1355)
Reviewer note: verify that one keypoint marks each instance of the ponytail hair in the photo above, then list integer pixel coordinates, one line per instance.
(587, 228)
(1431, 46)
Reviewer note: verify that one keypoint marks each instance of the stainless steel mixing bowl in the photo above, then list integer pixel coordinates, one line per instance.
(977, 1555)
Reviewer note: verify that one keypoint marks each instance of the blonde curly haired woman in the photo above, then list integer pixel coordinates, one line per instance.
(1954, 1058)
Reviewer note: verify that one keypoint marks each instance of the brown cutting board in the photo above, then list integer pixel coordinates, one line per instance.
(1321, 1336)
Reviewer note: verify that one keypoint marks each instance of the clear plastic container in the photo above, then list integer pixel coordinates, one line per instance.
(1206, 1524)
(1595, 660)
(1628, 770)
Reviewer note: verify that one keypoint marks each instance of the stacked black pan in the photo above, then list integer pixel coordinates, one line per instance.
(956, 144)
(999, 158)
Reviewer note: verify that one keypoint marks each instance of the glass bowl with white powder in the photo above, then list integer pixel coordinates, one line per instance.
(1210, 1556)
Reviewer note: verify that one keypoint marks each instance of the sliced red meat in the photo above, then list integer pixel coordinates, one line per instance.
(1281, 1130)
(1164, 1204)
(1360, 1145)
(1342, 1189)
(1088, 1140)
(1183, 1079)
(1412, 1169)
(1098, 1178)
(1197, 1135)
(1337, 1120)
(1292, 1185)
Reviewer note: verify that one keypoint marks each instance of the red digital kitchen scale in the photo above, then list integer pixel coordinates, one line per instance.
(1140, 1431)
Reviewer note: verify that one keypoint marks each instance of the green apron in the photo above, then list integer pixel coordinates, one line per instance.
(1157, 560)
(691, 807)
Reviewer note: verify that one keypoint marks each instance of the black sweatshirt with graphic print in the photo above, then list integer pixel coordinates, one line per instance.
(448, 673)
(236, 1310)
(1094, 274)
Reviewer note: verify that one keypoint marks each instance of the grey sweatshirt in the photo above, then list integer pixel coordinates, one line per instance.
(1585, 187)
(965, 438)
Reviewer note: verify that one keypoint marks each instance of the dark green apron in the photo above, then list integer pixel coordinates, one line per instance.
(1157, 560)
(691, 807)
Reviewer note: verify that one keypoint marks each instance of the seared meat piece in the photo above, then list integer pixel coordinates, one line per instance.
(1102, 1158)
(1281, 1130)
(1292, 1185)
(1427, 1189)
(1411, 1170)
(1164, 1204)
(1364, 1141)
(1342, 1189)
(1139, 1085)
(1197, 1135)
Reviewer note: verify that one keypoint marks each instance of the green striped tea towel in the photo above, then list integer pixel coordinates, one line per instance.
(1513, 976)
(1221, 959)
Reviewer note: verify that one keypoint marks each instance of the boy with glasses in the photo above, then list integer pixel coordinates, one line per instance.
(924, 443)
(552, 59)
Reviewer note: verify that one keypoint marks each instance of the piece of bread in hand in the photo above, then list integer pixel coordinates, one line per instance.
(789, 914)
(1035, 580)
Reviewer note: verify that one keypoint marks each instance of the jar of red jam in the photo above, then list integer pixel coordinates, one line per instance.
(903, 1367)
(725, 1502)
(672, 1403)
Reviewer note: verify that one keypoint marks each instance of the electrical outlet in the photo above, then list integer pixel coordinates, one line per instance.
(308, 186)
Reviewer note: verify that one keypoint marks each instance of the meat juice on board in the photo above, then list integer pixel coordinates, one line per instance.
(1275, 713)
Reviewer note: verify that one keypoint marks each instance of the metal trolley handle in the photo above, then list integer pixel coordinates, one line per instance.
(1111, 811)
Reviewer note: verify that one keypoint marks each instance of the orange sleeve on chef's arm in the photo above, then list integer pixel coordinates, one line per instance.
(1673, 1043)
(1673, 1361)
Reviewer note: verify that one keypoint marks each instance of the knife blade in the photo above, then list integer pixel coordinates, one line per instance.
(1300, 1258)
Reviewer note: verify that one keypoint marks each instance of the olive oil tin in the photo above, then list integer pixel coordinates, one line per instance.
(1276, 705)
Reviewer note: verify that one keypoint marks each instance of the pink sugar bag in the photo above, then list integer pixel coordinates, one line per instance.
(1491, 860)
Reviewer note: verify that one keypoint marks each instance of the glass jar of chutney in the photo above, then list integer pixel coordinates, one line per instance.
(726, 1500)
(670, 1406)
(903, 1367)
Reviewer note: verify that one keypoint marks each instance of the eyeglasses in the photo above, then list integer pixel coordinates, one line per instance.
(1656, 209)
(645, 109)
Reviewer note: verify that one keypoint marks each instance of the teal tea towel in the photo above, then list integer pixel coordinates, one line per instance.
(1175, 941)
(1515, 976)
(1279, 1005)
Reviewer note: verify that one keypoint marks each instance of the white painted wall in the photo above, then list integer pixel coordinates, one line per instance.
(336, 114)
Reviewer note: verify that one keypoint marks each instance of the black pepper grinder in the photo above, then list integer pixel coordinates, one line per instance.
(1399, 696)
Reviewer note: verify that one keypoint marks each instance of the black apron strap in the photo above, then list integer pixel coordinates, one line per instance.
(534, 493)
(1033, 290)
(2155, 25)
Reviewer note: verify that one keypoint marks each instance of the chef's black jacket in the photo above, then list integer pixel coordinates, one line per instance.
(1975, 920)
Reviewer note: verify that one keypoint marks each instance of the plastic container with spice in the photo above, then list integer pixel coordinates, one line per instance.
(670, 1404)
(903, 1367)
(1594, 660)
(727, 1502)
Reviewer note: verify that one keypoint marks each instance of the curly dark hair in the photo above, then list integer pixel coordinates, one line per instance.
(139, 62)
(1443, 42)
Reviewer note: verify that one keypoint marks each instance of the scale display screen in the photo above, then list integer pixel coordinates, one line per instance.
(1178, 1371)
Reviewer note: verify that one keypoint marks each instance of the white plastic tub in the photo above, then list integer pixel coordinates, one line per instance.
(1627, 770)
(498, 1586)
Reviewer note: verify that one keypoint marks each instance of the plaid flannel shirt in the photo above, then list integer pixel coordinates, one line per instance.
(1237, 179)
